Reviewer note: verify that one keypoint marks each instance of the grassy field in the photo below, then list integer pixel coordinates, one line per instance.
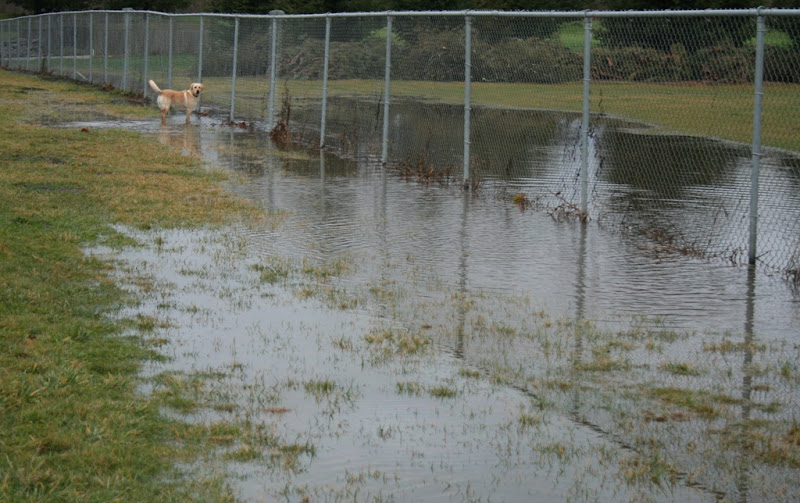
(722, 111)
(72, 426)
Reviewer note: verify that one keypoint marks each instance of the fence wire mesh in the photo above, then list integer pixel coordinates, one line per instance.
(672, 134)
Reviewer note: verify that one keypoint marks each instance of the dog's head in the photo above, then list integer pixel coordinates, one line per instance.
(196, 89)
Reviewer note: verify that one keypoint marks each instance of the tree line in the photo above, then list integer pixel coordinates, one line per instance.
(323, 6)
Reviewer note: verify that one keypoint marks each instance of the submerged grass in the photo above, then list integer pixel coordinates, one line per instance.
(72, 426)
(702, 403)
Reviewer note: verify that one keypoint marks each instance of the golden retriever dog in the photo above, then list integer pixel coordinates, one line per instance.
(168, 97)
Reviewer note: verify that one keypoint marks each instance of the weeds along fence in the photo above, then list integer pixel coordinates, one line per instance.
(680, 126)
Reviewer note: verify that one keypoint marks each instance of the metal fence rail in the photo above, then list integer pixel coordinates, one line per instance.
(682, 126)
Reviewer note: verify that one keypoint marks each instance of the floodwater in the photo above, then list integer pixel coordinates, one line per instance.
(388, 340)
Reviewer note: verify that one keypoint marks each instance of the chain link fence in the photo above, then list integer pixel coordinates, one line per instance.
(681, 127)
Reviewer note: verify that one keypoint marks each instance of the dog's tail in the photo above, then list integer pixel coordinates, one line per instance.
(154, 86)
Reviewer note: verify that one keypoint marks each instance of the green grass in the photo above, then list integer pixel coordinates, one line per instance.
(774, 38)
(72, 426)
(571, 35)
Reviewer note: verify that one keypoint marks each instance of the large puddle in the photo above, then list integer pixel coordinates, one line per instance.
(386, 340)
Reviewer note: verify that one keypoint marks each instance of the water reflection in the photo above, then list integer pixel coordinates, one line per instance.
(742, 482)
(357, 207)
(690, 193)
(462, 277)
(475, 245)
(185, 137)
(666, 165)
(506, 293)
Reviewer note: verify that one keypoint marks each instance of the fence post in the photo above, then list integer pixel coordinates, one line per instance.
(28, 55)
(105, 52)
(39, 44)
(169, 54)
(325, 80)
(91, 48)
(49, 41)
(758, 96)
(233, 78)
(74, 47)
(61, 44)
(386, 95)
(2, 46)
(272, 66)
(146, 54)
(200, 53)
(467, 97)
(19, 45)
(127, 22)
(10, 52)
(587, 69)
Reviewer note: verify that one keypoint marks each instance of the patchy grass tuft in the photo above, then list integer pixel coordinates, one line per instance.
(72, 423)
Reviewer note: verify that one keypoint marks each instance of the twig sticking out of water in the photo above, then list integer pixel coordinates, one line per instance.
(280, 134)
(566, 210)
(424, 173)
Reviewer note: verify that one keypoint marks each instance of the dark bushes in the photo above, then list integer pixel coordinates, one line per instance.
(782, 65)
(725, 64)
(639, 64)
(435, 55)
(661, 33)
(439, 56)
(526, 60)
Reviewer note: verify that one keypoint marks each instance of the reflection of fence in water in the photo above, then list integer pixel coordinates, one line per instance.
(650, 182)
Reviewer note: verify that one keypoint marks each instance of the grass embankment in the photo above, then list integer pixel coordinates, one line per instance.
(72, 426)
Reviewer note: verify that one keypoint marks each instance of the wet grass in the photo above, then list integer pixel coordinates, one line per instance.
(409, 388)
(397, 342)
(424, 172)
(442, 391)
(634, 384)
(274, 272)
(72, 426)
(696, 402)
(683, 369)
